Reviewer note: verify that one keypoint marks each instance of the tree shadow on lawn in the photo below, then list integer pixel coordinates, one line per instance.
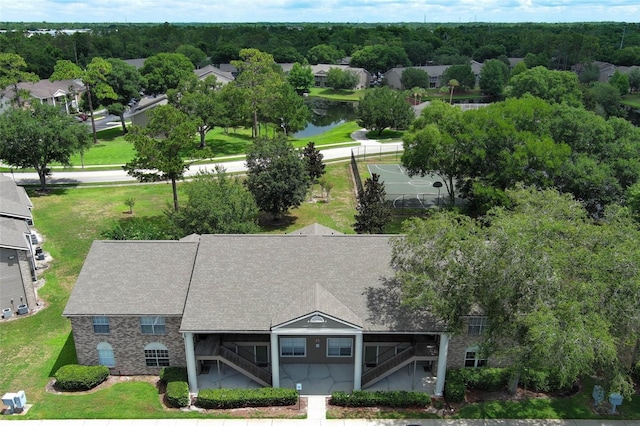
(67, 355)
(268, 223)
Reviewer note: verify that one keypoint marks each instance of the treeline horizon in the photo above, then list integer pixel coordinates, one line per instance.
(554, 45)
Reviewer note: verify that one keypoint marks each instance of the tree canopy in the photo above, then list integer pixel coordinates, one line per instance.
(277, 175)
(384, 107)
(373, 210)
(216, 204)
(560, 293)
(13, 70)
(159, 146)
(38, 136)
(165, 71)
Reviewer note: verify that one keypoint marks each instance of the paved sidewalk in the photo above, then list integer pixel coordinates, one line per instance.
(322, 422)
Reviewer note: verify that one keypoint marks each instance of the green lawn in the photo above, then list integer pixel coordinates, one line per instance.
(574, 407)
(113, 150)
(632, 100)
(337, 95)
(34, 347)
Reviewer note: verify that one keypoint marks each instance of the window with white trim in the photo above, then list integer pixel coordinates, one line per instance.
(472, 359)
(156, 355)
(152, 325)
(339, 346)
(101, 325)
(477, 326)
(293, 346)
(105, 355)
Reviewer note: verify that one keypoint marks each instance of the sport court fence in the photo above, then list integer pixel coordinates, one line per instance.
(361, 153)
(402, 203)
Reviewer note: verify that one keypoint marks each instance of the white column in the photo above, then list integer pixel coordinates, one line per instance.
(442, 363)
(275, 361)
(357, 362)
(190, 354)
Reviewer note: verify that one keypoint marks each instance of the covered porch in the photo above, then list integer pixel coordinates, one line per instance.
(319, 379)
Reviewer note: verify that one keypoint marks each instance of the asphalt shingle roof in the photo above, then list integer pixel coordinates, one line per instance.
(14, 201)
(123, 278)
(254, 282)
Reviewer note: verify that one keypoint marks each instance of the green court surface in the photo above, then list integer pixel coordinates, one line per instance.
(403, 191)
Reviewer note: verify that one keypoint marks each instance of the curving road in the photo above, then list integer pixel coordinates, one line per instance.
(367, 147)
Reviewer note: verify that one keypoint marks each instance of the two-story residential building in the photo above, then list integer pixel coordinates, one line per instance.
(255, 303)
(17, 253)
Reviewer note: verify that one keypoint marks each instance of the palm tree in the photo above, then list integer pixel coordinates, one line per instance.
(453, 83)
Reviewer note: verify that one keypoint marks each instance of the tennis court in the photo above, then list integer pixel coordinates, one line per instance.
(404, 191)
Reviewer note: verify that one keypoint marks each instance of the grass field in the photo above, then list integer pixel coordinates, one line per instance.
(34, 347)
(114, 150)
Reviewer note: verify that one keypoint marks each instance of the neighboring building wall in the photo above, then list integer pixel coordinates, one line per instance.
(128, 343)
(16, 280)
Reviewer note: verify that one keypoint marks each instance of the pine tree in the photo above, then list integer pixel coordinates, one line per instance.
(373, 210)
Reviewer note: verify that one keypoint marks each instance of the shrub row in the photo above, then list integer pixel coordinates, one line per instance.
(177, 394)
(394, 399)
(173, 374)
(74, 377)
(495, 379)
(238, 398)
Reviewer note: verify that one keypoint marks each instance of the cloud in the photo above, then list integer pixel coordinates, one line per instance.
(319, 11)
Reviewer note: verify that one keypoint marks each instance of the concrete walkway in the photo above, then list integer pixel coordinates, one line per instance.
(322, 422)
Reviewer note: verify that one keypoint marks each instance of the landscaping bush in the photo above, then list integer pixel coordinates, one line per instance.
(238, 398)
(535, 380)
(394, 399)
(173, 374)
(487, 379)
(177, 394)
(74, 377)
(455, 390)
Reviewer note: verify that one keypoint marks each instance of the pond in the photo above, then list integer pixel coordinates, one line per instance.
(325, 115)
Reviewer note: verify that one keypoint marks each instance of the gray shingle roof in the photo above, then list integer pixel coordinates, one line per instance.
(133, 278)
(12, 233)
(247, 283)
(254, 282)
(14, 201)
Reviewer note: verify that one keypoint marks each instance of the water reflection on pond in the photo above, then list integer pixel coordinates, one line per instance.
(325, 115)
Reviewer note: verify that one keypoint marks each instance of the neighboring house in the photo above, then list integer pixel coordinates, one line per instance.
(17, 252)
(65, 93)
(605, 69)
(139, 116)
(255, 303)
(435, 72)
(320, 73)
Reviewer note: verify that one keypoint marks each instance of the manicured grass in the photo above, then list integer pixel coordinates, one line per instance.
(632, 100)
(337, 95)
(338, 135)
(113, 150)
(34, 347)
(574, 407)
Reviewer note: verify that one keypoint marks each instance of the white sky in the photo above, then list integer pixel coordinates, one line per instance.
(339, 11)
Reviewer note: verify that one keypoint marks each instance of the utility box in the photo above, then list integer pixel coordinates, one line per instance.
(15, 401)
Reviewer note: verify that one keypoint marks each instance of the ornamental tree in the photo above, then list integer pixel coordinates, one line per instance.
(36, 137)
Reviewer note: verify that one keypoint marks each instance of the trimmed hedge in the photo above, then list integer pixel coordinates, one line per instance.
(173, 374)
(455, 389)
(75, 378)
(177, 394)
(239, 398)
(395, 399)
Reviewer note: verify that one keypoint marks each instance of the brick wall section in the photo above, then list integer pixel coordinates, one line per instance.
(458, 346)
(27, 280)
(128, 343)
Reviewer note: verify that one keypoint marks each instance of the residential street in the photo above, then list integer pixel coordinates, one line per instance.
(367, 147)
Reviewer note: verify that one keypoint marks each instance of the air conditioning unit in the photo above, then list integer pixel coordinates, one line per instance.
(6, 313)
(23, 309)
